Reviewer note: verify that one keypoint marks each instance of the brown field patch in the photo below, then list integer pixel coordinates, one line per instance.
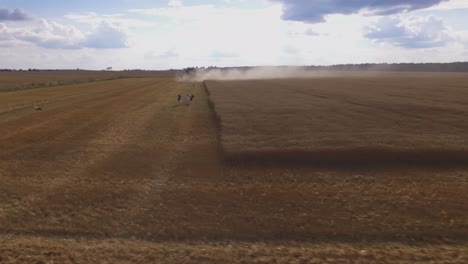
(116, 171)
(60, 250)
(24, 80)
(363, 117)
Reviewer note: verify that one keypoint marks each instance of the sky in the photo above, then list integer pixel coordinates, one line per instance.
(173, 34)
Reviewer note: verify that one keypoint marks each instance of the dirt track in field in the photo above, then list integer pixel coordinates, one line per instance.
(116, 171)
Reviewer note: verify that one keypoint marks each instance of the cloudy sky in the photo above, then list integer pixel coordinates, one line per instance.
(151, 34)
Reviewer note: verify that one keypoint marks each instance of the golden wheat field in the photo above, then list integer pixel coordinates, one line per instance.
(117, 172)
(365, 116)
(24, 80)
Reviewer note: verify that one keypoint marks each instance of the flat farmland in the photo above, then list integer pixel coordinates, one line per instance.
(116, 171)
(364, 117)
(24, 80)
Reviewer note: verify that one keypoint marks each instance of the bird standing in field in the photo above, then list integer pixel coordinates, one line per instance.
(179, 98)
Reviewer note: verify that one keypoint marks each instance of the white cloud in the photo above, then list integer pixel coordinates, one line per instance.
(451, 5)
(204, 33)
(181, 35)
(290, 50)
(222, 54)
(311, 32)
(316, 11)
(94, 19)
(414, 32)
(106, 36)
(182, 12)
(44, 34)
(52, 35)
(13, 15)
(175, 3)
(4, 32)
(168, 54)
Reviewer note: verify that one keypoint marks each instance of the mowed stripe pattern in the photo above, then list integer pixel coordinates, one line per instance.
(117, 171)
(92, 159)
(354, 116)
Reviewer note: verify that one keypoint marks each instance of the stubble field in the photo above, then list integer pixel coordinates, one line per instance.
(359, 117)
(25, 80)
(117, 172)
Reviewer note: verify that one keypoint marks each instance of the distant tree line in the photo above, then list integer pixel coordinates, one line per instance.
(403, 67)
(406, 67)
(35, 70)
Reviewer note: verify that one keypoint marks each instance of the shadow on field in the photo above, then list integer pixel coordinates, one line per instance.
(179, 105)
(338, 157)
(349, 157)
(454, 238)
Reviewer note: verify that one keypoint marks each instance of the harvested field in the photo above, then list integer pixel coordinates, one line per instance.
(362, 117)
(24, 80)
(117, 172)
(137, 251)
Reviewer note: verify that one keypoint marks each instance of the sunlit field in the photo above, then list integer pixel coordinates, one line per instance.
(361, 116)
(118, 171)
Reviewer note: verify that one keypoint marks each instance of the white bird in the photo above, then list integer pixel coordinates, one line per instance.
(37, 108)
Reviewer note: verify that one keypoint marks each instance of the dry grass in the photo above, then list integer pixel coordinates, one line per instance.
(115, 172)
(24, 80)
(59, 250)
(364, 117)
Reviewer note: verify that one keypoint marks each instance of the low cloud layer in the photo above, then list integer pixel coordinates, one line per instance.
(168, 54)
(225, 33)
(316, 11)
(106, 36)
(416, 32)
(52, 35)
(13, 15)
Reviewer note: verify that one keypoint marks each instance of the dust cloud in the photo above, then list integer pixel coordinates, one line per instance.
(256, 73)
